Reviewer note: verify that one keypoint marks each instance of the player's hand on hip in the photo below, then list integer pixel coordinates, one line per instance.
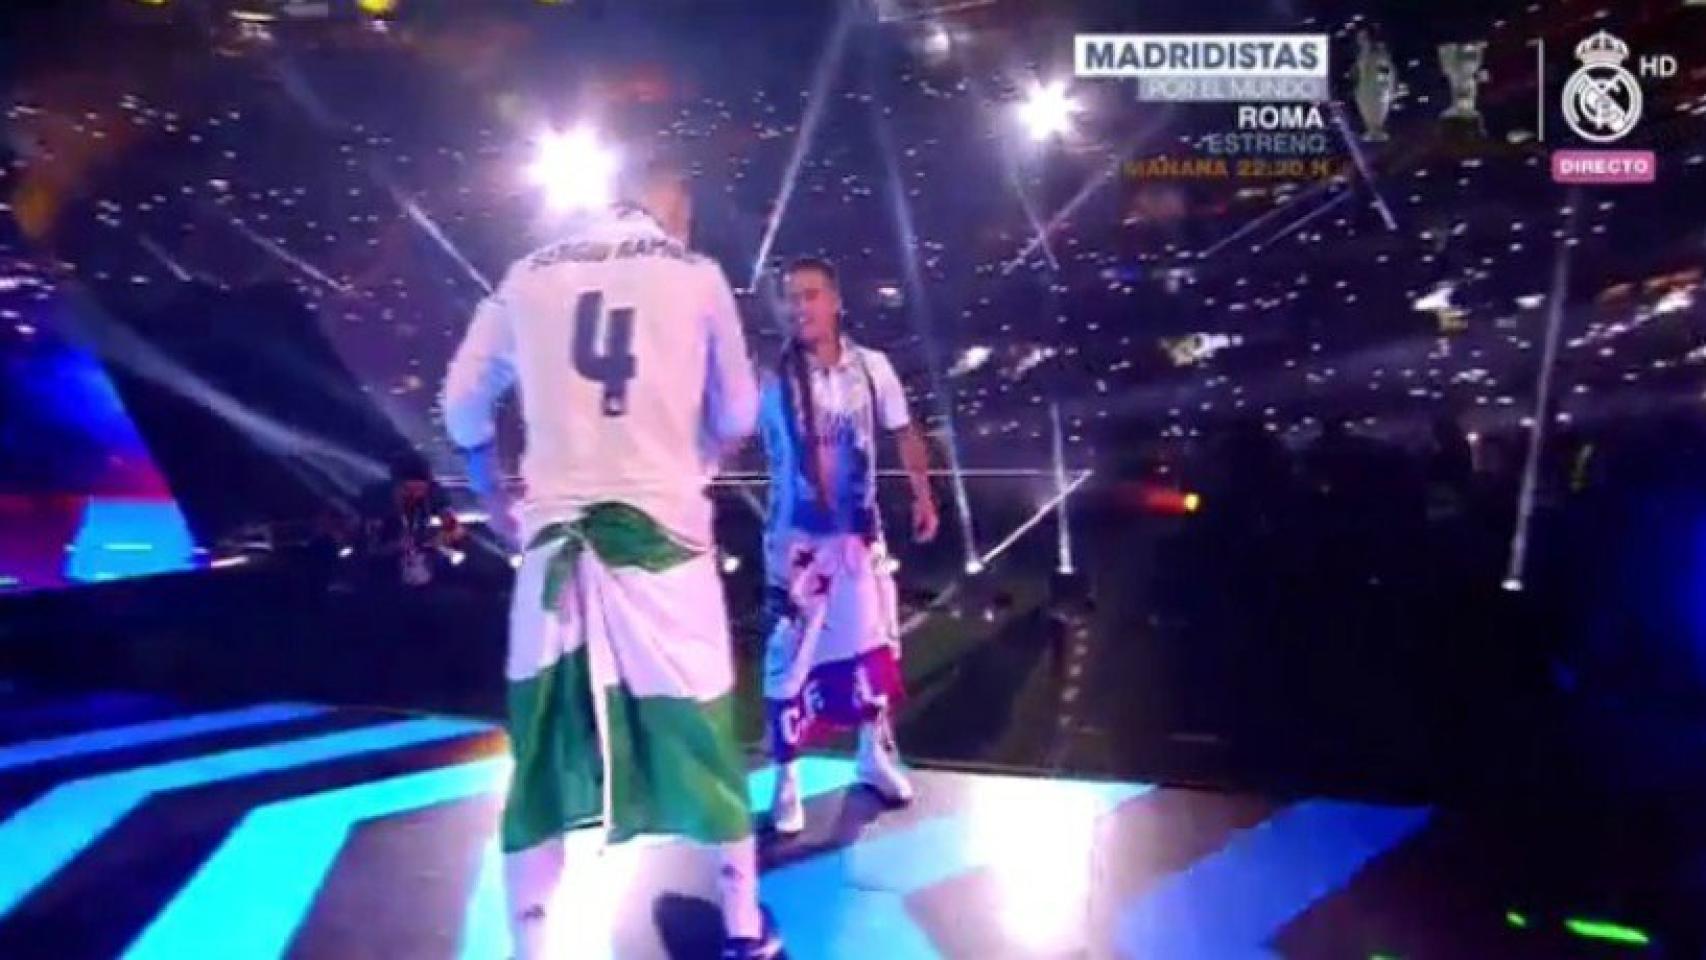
(925, 520)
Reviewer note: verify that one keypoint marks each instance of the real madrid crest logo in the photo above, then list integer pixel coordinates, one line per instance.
(1602, 100)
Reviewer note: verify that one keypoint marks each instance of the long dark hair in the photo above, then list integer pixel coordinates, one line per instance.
(801, 409)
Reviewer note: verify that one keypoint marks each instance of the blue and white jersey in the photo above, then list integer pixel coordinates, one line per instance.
(850, 400)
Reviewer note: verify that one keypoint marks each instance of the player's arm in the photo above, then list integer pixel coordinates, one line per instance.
(731, 402)
(772, 433)
(481, 372)
(915, 459)
(914, 453)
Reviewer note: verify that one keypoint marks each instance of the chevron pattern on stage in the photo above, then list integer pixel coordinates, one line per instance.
(130, 826)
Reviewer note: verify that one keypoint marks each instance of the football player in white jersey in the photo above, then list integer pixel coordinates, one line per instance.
(833, 657)
(634, 380)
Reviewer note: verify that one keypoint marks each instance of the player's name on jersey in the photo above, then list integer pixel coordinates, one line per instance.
(599, 251)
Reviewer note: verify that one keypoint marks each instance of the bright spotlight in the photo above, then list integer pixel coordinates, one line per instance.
(1513, 585)
(576, 171)
(1193, 502)
(377, 8)
(345, 553)
(731, 564)
(974, 567)
(1048, 111)
(936, 43)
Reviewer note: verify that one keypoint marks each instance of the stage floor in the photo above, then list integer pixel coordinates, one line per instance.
(130, 827)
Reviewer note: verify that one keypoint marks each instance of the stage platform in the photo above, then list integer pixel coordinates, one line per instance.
(130, 826)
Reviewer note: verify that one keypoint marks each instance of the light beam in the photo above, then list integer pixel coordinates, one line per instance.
(1542, 398)
(984, 561)
(285, 256)
(1065, 532)
(828, 66)
(918, 309)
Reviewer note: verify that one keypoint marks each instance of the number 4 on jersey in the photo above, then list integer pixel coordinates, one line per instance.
(608, 359)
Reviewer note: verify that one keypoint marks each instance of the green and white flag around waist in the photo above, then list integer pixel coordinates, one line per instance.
(621, 686)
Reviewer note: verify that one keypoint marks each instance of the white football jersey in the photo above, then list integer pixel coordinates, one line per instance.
(632, 368)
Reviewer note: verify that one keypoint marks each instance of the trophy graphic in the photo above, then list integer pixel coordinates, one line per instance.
(1461, 63)
(1376, 86)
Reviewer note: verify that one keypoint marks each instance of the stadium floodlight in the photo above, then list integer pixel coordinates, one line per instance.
(576, 170)
(1048, 111)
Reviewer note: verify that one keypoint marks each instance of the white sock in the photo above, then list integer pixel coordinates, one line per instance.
(531, 878)
(788, 776)
(737, 881)
(874, 737)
